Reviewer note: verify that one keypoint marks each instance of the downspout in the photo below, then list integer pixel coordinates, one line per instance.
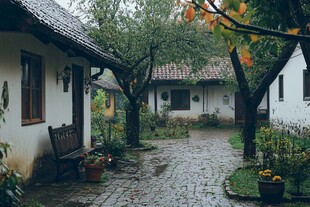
(155, 98)
(96, 75)
(203, 98)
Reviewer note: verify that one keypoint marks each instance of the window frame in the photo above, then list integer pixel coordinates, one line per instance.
(306, 74)
(281, 87)
(40, 90)
(180, 93)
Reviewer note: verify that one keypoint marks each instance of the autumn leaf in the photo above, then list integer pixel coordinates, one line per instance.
(202, 11)
(254, 38)
(209, 17)
(230, 45)
(226, 22)
(293, 31)
(213, 23)
(242, 8)
(245, 52)
(190, 14)
(247, 61)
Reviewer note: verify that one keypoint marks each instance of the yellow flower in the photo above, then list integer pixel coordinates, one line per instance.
(276, 178)
(267, 171)
(266, 174)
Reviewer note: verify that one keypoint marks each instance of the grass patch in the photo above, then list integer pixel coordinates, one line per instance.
(244, 182)
(235, 141)
(164, 133)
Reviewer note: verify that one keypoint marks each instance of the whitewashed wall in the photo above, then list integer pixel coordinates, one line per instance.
(31, 142)
(213, 99)
(293, 109)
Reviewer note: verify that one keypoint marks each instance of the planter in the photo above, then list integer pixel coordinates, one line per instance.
(271, 192)
(93, 172)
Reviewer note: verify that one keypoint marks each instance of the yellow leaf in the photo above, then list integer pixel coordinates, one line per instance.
(190, 14)
(245, 53)
(293, 31)
(230, 46)
(254, 38)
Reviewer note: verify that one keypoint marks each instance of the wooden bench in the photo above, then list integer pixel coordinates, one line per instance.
(68, 148)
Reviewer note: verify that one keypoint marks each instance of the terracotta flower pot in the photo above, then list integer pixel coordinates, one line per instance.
(93, 172)
(271, 192)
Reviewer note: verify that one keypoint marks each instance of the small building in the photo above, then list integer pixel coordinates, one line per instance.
(290, 93)
(46, 58)
(110, 89)
(191, 95)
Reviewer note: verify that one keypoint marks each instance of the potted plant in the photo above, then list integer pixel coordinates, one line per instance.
(94, 165)
(271, 188)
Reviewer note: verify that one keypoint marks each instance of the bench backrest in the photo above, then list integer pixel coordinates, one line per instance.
(65, 140)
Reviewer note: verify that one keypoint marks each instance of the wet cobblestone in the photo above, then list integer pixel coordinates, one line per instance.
(186, 172)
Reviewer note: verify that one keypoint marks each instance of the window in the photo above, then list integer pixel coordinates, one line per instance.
(306, 85)
(281, 89)
(32, 88)
(180, 100)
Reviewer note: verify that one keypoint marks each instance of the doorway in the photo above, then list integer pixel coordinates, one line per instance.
(78, 99)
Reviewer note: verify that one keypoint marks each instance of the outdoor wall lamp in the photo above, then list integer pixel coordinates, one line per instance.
(225, 100)
(87, 84)
(65, 76)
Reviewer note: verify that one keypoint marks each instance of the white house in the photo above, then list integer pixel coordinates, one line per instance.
(206, 96)
(42, 47)
(290, 93)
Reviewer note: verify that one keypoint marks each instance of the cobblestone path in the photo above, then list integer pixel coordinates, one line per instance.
(186, 172)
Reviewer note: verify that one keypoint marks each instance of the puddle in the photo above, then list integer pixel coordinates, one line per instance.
(160, 169)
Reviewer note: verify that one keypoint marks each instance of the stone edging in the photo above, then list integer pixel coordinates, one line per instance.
(233, 195)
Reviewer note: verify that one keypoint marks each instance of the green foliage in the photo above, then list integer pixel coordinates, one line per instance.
(148, 118)
(236, 141)
(98, 122)
(210, 119)
(164, 133)
(32, 203)
(283, 156)
(165, 111)
(10, 180)
(116, 147)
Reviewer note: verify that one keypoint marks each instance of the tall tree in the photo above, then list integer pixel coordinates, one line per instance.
(231, 20)
(144, 34)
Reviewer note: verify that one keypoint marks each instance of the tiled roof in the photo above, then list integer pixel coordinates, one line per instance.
(61, 22)
(213, 71)
(106, 85)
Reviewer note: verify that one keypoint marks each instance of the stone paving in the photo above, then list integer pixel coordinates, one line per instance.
(186, 172)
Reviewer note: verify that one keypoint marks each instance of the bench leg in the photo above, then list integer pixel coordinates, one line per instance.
(76, 169)
(58, 175)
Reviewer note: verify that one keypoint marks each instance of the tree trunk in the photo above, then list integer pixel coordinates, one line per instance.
(248, 131)
(132, 126)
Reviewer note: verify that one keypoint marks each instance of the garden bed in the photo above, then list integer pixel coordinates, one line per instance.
(242, 184)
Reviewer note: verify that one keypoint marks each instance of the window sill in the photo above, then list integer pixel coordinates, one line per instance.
(27, 123)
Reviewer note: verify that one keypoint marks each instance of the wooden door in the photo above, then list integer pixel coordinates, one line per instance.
(78, 98)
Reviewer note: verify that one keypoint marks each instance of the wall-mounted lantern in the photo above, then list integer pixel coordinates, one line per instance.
(225, 100)
(65, 76)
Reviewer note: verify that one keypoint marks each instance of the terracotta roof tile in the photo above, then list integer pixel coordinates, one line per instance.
(213, 71)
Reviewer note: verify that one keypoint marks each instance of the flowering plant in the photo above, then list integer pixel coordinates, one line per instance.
(95, 159)
(265, 175)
